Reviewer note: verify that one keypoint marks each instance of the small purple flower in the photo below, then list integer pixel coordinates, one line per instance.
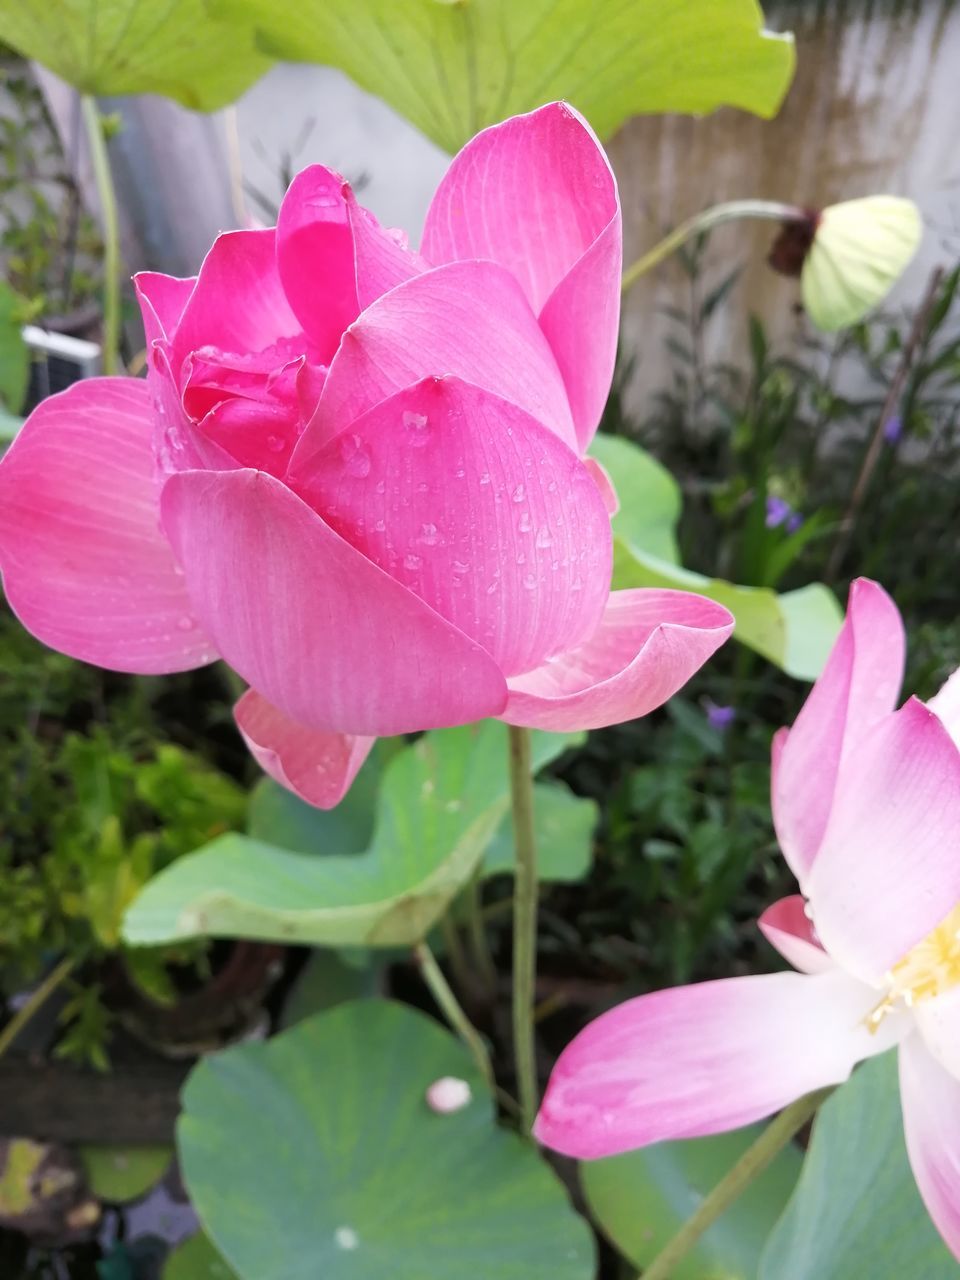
(794, 522)
(893, 429)
(719, 718)
(778, 510)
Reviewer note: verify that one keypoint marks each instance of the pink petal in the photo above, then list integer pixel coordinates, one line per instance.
(858, 685)
(86, 568)
(946, 705)
(537, 194)
(938, 1021)
(238, 304)
(930, 1098)
(479, 510)
(787, 927)
(703, 1059)
(647, 646)
(601, 478)
(318, 767)
(887, 871)
(469, 320)
(314, 626)
(162, 300)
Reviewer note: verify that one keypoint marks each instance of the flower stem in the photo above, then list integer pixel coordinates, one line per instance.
(750, 1165)
(450, 1006)
(727, 212)
(111, 233)
(34, 1004)
(524, 923)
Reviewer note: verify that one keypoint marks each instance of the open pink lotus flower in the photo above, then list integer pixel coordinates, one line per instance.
(356, 472)
(866, 803)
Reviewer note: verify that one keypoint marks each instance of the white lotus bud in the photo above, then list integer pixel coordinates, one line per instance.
(860, 250)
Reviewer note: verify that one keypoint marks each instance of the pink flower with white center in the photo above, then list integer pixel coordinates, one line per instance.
(356, 473)
(866, 803)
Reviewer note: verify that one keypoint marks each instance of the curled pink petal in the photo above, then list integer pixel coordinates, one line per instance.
(930, 1097)
(238, 304)
(537, 194)
(858, 686)
(162, 300)
(887, 871)
(469, 320)
(477, 509)
(85, 565)
(787, 927)
(318, 767)
(706, 1058)
(312, 624)
(647, 646)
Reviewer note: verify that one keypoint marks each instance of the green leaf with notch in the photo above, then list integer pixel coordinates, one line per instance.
(452, 67)
(137, 46)
(795, 629)
(439, 805)
(366, 1181)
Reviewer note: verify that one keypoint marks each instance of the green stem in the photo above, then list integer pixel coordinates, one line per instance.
(111, 232)
(750, 1165)
(450, 1006)
(479, 942)
(37, 1000)
(727, 212)
(524, 923)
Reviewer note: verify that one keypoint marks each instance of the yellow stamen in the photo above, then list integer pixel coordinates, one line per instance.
(930, 969)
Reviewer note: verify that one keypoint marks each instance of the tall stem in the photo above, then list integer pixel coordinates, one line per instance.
(524, 923)
(750, 1165)
(450, 1006)
(111, 232)
(727, 212)
(35, 1003)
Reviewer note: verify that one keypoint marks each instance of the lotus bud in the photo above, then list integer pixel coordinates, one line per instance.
(849, 256)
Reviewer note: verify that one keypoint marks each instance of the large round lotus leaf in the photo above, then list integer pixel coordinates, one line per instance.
(316, 1155)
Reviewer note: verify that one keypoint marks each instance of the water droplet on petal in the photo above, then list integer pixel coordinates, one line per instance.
(530, 581)
(519, 493)
(428, 534)
(356, 461)
(543, 537)
(418, 425)
(185, 623)
(485, 478)
(275, 444)
(412, 562)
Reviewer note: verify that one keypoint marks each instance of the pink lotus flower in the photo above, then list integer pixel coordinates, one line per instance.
(866, 803)
(356, 473)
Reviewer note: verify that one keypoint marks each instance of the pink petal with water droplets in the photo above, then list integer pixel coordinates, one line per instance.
(311, 623)
(85, 565)
(469, 320)
(706, 1058)
(478, 509)
(647, 646)
(317, 767)
(857, 687)
(537, 194)
(787, 927)
(238, 304)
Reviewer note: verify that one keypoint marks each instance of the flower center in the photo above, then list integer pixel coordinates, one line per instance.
(930, 969)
